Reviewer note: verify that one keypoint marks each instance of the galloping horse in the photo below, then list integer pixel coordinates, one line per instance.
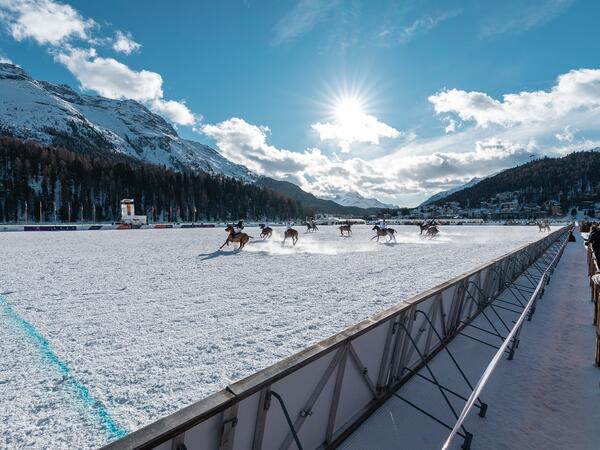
(543, 226)
(432, 232)
(292, 234)
(240, 238)
(311, 227)
(347, 228)
(423, 226)
(266, 231)
(389, 232)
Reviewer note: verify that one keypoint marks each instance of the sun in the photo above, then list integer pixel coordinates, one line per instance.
(349, 111)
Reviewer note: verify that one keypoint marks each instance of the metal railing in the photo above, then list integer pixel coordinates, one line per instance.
(511, 339)
(324, 392)
(594, 275)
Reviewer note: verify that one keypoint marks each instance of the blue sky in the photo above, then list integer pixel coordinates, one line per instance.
(394, 99)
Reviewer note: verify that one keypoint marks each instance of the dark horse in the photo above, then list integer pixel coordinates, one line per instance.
(389, 232)
(311, 227)
(265, 232)
(347, 228)
(423, 226)
(432, 232)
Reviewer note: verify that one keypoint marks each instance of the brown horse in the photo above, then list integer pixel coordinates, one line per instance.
(266, 232)
(292, 234)
(347, 228)
(240, 238)
(389, 232)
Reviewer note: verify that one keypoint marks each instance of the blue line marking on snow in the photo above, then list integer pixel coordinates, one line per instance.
(82, 392)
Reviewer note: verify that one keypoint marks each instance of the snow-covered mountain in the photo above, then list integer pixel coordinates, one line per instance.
(57, 115)
(444, 194)
(355, 199)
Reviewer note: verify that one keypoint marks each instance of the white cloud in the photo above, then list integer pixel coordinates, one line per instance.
(5, 60)
(176, 112)
(302, 18)
(113, 79)
(451, 125)
(45, 21)
(357, 128)
(573, 91)
(124, 43)
(55, 24)
(392, 178)
(566, 135)
(420, 26)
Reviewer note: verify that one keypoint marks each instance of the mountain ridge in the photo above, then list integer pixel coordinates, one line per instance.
(56, 115)
(443, 194)
(353, 198)
(567, 180)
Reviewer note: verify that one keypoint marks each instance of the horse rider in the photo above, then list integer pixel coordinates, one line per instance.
(238, 228)
(382, 224)
(289, 225)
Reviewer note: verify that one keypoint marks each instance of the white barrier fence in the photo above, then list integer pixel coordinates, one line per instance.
(317, 397)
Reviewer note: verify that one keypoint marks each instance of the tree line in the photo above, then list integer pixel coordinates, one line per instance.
(569, 180)
(43, 184)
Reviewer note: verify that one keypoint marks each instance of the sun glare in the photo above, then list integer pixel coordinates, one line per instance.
(349, 111)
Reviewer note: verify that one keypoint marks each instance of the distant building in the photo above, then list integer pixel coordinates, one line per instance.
(128, 214)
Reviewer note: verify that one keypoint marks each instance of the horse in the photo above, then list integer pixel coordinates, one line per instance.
(423, 226)
(311, 227)
(266, 231)
(241, 238)
(543, 227)
(432, 232)
(389, 232)
(292, 234)
(347, 228)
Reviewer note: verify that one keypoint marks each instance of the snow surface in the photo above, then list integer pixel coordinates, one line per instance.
(546, 398)
(119, 328)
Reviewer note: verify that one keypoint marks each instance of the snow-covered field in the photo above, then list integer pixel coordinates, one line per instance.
(104, 332)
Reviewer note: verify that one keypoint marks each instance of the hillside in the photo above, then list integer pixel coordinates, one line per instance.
(58, 116)
(569, 180)
(443, 194)
(50, 184)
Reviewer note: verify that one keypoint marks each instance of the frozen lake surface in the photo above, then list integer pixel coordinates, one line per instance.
(104, 332)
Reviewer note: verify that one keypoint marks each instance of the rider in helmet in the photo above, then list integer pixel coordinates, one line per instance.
(382, 224)
(290, 224)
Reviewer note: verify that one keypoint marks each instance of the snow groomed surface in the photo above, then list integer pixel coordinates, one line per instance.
(328, 388)
(81, 392)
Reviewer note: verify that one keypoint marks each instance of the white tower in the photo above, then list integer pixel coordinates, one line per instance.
(127, 209)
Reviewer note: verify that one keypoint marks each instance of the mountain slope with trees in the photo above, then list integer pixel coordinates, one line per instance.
(569, 180)
(50, 184)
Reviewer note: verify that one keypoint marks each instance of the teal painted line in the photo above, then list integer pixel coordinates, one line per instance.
(82, 392)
